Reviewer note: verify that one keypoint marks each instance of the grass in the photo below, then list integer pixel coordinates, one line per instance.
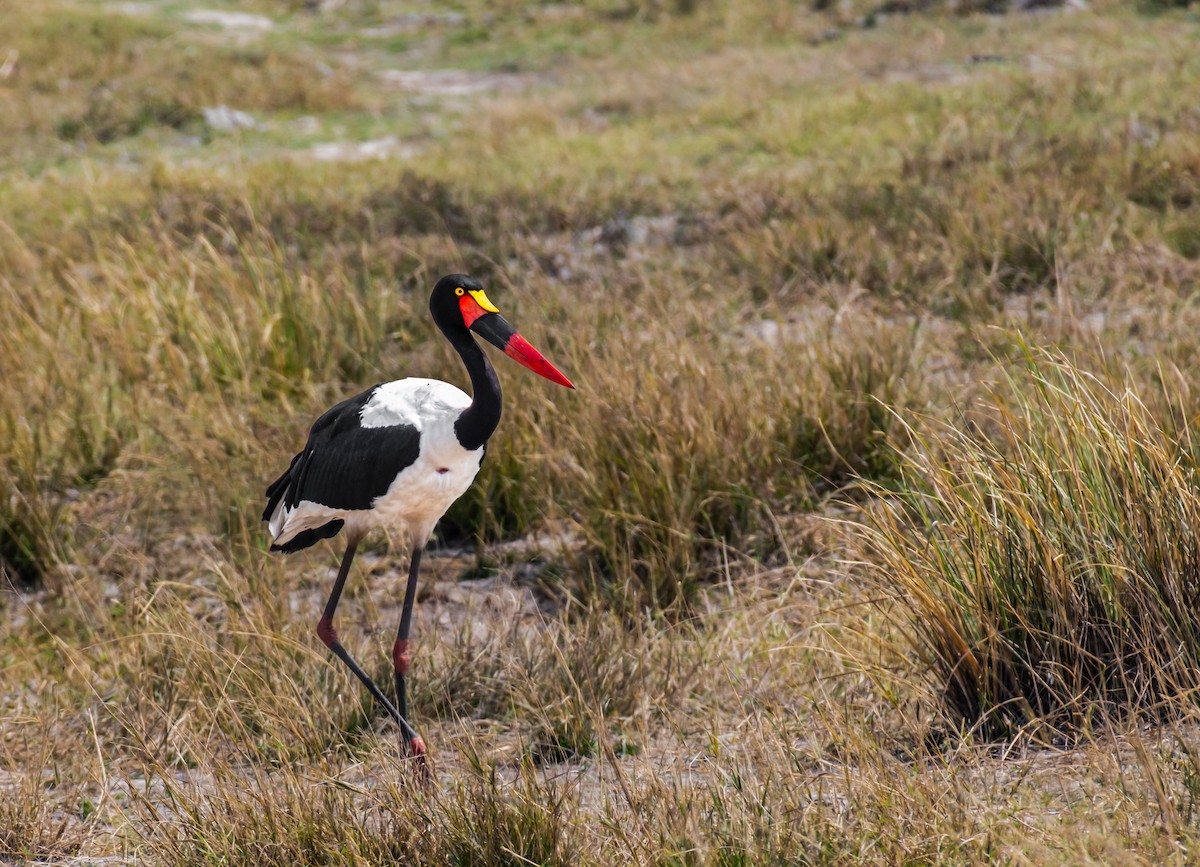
(1049, 569)
(866, 537)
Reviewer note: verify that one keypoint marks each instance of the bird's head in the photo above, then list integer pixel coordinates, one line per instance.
(458, 301)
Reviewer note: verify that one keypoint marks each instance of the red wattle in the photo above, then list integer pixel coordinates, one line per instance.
(470, 310)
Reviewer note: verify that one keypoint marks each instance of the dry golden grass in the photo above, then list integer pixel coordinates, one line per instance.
(1048, 573)
(802, 270)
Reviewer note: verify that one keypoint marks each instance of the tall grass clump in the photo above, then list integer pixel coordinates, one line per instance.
(29, 828)
(683, 461)
(1045, 561)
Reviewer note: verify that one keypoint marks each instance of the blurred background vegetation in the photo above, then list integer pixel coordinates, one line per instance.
(869, 534)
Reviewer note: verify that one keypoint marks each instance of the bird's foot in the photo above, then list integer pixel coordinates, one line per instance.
(422, 768)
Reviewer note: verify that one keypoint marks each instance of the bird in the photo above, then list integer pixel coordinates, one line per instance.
(397, 456)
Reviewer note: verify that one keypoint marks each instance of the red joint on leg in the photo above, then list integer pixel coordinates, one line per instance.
(326, 632)
(401, 658)
(421, 768)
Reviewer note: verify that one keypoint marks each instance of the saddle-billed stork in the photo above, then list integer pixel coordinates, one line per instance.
(398, 455)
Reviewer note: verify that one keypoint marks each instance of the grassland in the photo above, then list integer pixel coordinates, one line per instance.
(870, 535)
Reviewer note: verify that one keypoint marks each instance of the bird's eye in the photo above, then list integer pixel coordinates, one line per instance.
(458, 291)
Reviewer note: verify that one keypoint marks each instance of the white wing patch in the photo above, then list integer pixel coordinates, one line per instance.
(413, 401)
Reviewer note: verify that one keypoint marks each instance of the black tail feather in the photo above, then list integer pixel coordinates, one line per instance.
(278, 488)
(307, 538)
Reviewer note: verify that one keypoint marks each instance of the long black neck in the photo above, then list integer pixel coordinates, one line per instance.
(479, 420)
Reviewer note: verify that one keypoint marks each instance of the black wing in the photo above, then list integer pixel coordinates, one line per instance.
(345, 465)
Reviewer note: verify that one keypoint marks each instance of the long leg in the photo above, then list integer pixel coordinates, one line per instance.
(330, 637)
(401, 657)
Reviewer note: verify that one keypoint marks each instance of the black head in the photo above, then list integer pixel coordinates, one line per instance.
(458, 304)
(446, 301)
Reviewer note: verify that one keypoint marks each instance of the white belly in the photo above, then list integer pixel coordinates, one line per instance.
(423, 492)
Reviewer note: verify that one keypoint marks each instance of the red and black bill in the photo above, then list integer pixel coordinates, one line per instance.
(496, 330)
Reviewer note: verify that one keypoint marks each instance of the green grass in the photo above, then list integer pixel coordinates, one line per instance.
(867, 536)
